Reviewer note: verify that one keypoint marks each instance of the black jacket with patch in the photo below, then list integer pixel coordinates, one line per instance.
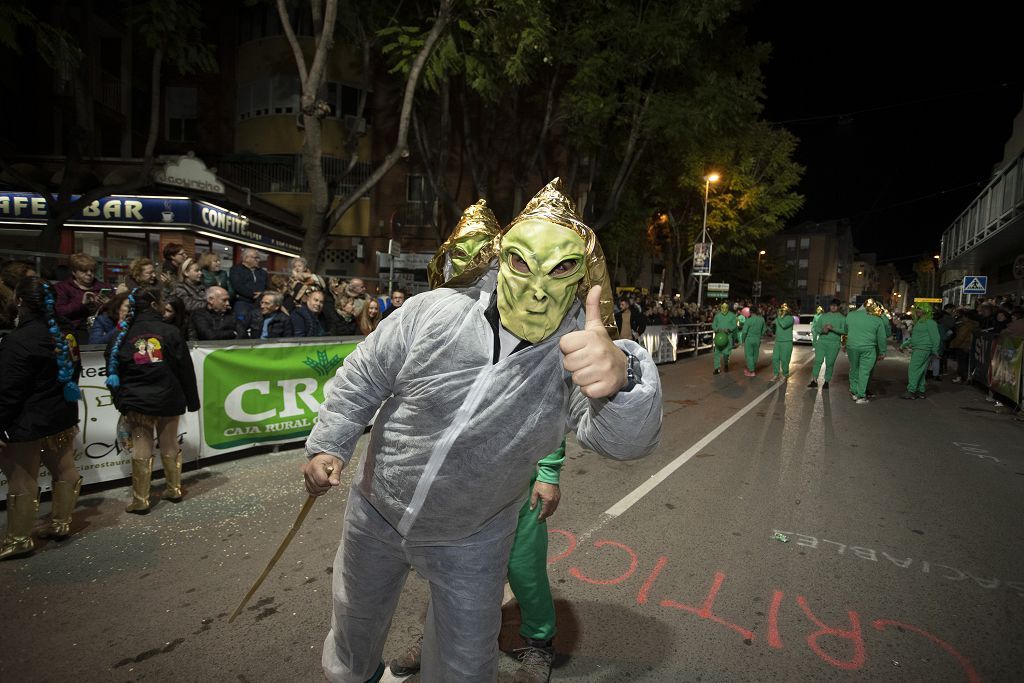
(155, 369)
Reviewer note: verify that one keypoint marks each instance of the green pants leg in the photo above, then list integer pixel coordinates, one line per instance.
(854, 356)
(819, 357)
(916, 371)
(781, 355)
(751, 349)
(528, 575)
(721, 357)
(828, 352)
(862, 361)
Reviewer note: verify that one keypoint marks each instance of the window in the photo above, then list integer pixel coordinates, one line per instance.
(278, 96)
(416, 189)
(790, 244)
(801, 283)
(182, 113)
(803, 264)
(285, 94)
(263, 21)
(805, 242)
(344, 100)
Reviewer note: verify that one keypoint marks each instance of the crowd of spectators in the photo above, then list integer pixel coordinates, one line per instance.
(206, 303)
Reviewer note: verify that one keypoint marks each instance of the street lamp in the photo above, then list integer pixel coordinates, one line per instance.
(711, 178)
(757, 278)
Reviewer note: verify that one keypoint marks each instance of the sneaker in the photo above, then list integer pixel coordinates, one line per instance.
(534, 663)
(909, 396)
(813, 384)
(748, 373)
(920, 394)
(957, 380)
(862, 401)
(409, 662)
(825, 385)
(869, 394)
(717, 371)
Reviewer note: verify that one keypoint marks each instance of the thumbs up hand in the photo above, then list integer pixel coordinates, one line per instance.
(597, 365)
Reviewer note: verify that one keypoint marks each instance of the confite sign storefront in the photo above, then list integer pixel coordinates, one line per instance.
(154, 212)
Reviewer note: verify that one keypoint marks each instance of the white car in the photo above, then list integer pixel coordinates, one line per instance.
(802, 329)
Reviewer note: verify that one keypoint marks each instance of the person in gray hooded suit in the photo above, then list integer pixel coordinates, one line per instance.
(474, 385)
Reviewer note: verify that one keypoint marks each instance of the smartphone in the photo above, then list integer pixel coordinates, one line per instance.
(106, 291)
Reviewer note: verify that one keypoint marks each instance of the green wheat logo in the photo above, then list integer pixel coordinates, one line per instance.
(322, 364)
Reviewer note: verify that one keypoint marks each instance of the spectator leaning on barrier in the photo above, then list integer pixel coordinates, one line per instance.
(189, 290)
(249, 282)
(308, 318)
(81, 295)
(343, 321)
(209, 265)
(356, 290)
(270, 322)
(369, 317)
(397, 299)
(105, 326)
(215, 321)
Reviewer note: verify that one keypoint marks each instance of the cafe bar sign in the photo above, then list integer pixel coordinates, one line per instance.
(25, 208)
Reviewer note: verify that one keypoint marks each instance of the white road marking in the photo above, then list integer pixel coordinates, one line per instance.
(640, 491)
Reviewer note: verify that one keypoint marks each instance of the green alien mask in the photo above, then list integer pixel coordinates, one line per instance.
(723, 307)
(541, 266)
(476, 230)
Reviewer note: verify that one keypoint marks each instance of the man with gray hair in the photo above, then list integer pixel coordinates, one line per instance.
(270, 322)
(249, 282)
(216, 321)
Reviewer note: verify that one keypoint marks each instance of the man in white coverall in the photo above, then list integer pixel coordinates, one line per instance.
(477, 385)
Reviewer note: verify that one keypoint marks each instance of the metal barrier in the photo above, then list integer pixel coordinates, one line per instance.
(666, 343)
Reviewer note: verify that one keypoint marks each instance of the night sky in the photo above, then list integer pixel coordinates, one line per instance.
(901, 115)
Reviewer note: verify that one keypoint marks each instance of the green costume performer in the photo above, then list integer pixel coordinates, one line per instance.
(783, 351)
(865, 345)
(924, 343)
(827, 335)
(724, 323)
(753, 331)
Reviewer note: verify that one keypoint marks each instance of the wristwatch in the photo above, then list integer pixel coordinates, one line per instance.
(633, 376)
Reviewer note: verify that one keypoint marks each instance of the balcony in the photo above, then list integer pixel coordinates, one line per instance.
(285, 173)
(980, 235)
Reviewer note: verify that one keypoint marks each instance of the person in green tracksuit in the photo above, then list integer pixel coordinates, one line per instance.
(827, 336)
(783, 351)
(528, 561)
(865, 345)
(924, 343)
(724, 323)
(753, 330)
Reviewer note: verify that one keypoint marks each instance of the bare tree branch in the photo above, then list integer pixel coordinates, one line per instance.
(289, 32)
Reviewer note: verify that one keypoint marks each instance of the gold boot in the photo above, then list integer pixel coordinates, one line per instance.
(142, 472)
(172, 474)
(65, 496)
(21, 517)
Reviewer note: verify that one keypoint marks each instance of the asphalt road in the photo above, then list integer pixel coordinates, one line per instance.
(903, 560)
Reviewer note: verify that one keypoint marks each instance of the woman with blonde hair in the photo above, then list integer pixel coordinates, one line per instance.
(369, 317)
(141, 273)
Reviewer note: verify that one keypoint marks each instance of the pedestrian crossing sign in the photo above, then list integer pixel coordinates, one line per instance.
(975, 284)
